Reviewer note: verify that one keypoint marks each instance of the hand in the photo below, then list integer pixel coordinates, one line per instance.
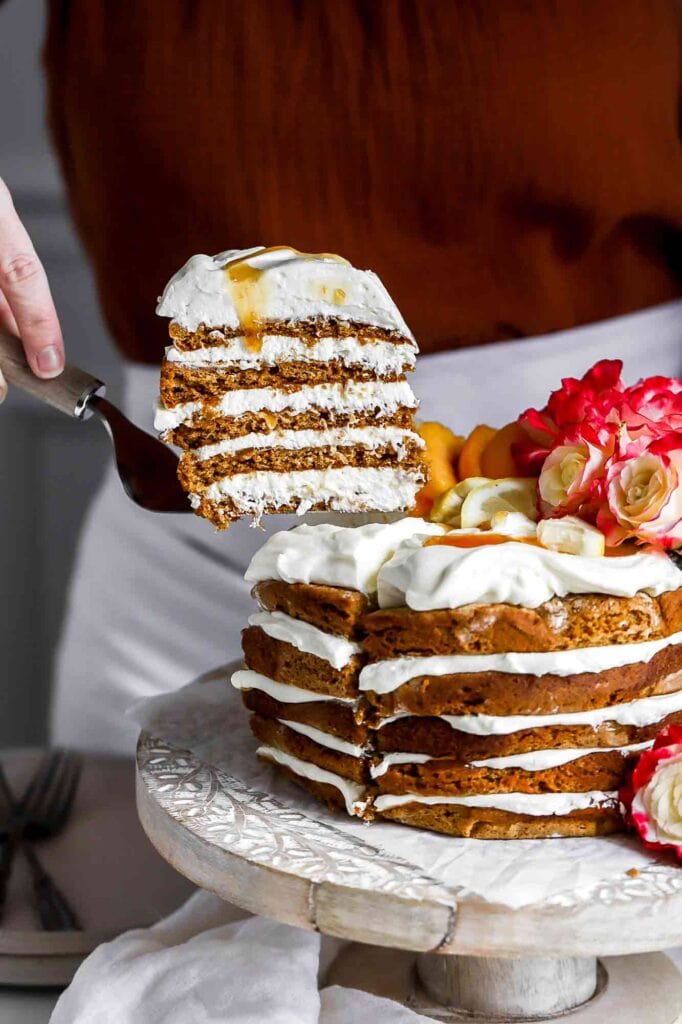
(26, 306)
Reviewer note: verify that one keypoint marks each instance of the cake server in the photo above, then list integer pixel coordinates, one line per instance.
(146, 466)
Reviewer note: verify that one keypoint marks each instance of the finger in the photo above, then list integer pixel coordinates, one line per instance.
(3, 388)
(24, 284)
(7, 321)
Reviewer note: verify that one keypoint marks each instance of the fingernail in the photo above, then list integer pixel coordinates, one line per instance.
(49, 360)
(3, 389)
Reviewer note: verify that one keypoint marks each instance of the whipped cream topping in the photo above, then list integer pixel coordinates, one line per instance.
(381, 397)
(284, 693)
(537, 804)
(386, 676)
(383, 357)
(336, 650)
(353, 794)
(337, 556)
(280, 284)
(638, 713)
(294, 440)
(347, 489)
(441, 576)
(325, 739)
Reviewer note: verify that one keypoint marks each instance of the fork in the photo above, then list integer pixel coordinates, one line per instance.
(42, 811)
(147, 468)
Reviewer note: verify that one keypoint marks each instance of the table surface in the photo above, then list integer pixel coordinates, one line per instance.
(279, 860)
(27, 1006)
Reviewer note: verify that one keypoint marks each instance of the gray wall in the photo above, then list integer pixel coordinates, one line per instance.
(49, 466)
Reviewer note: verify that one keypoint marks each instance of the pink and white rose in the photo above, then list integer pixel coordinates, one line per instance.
(571, 474)
(644, 494)
(652, 798)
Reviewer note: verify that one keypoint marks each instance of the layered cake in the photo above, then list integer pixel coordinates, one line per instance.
(461, 679)
(285, 386)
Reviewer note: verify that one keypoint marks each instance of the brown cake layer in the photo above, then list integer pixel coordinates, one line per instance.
(581, 620)
(436, 737)
(284, 663)
(331, 609)
(341, 720)
(274, 734)
(506, 693)
(492, 823)
(209, 426)
(180, 384)
(195, 475)
(446, 777)
(310, 330)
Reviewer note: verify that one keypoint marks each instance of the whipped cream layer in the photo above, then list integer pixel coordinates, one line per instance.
(384, 398)
(325, 739)
(442, 576)
(336, 650)
(280, 284)
(295, 440)
(344, 490)
(336, 556)
(531, 761)
(353, 793)
(536, 804)
(386, 676)
(638, 713)
(383, 357)
(284, 693)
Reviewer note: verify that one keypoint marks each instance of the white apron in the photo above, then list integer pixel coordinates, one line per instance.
(156, 600)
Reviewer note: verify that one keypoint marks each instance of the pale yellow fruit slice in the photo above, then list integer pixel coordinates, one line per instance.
(446, 508)
(571, 536)
(512, 524)
(511, 494)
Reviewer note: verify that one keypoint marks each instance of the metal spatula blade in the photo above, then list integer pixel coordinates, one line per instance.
(147, 468)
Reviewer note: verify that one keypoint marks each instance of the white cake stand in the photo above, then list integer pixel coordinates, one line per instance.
(463, 958)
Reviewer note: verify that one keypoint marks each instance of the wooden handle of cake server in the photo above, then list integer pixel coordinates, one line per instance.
(69, 392)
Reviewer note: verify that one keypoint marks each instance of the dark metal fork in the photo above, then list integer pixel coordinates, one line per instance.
(41, 812)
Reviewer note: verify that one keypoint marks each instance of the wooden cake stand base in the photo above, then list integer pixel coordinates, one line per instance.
(588, 959)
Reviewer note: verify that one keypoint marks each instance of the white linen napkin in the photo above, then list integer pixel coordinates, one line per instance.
(211, 963)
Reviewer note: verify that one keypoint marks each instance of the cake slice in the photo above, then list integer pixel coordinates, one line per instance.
(286, 387)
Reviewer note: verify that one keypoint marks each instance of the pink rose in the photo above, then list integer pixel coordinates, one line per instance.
(653, 406)
(652, 798)
(643, 493)
(596, 400)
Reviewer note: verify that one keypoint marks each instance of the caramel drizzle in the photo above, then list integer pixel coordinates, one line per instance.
(248, 294)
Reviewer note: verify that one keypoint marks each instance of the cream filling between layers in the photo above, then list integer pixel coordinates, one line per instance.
(336, 650)
(347, 489)
(383, 357)
(386, 676)
(535, 804)
(325, 739)
(532, 761)
(353, 793)
(638, 713)
(354, 396)
(247, 679)
(294, 440)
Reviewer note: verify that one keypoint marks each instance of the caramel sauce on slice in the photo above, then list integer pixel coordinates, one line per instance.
(248, 293)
